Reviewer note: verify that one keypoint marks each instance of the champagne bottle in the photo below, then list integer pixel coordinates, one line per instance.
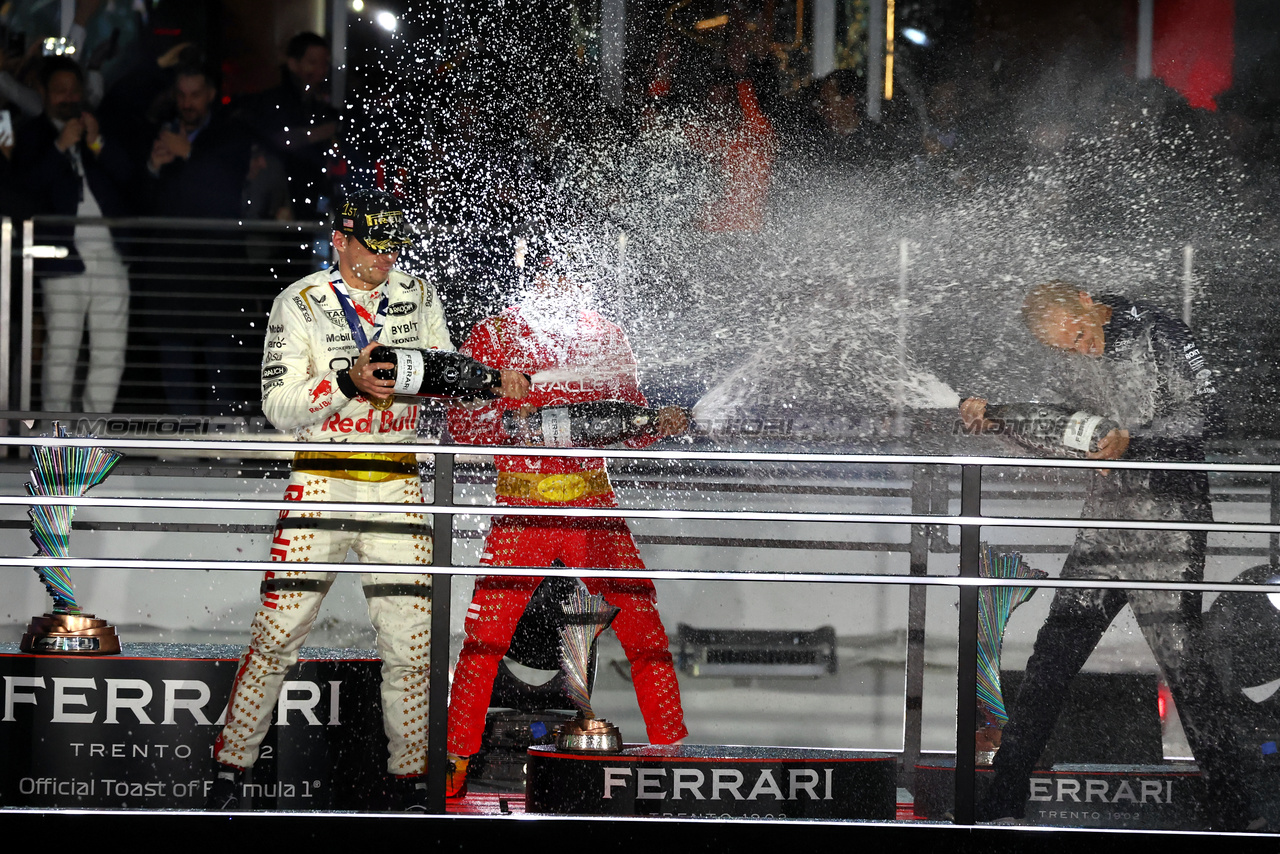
(435, 373)
(1059, 431)
(597, 422)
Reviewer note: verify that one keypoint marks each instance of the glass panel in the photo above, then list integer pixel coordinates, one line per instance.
(1094, 737)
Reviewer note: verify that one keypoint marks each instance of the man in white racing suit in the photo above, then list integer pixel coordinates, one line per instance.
(318, 381)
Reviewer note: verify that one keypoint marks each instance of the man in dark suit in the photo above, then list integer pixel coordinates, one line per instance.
(65, 167)
(197, 170)
(297, 126)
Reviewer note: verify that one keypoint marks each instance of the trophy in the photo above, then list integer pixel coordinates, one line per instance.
(65, 471)
(995, 604)
(586, 617)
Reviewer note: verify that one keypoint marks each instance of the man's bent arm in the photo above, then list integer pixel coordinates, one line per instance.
(480, 425)
(291, 396)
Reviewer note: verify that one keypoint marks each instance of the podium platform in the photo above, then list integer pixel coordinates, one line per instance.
(136, 731)
(714, 781)
(1165, 797)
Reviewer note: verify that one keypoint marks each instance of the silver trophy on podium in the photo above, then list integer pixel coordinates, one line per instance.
(586, 617)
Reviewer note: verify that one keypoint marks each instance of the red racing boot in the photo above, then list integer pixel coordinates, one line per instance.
(455, 786)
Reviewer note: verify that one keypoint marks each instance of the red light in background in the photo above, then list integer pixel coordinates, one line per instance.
(1163, 698)
(226, 99)
(1193, 48)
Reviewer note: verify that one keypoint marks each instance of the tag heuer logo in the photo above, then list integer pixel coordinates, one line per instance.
(399, 308)
(336, 317)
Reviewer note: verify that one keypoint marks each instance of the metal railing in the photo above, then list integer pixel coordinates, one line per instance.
(215, 279)
(242, 254)
(199, 291)
(970, 519)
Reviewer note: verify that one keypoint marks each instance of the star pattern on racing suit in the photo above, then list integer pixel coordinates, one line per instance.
(308, 342)
(591, 360)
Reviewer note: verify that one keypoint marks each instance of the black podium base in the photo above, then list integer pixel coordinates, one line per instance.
(714, 781)
(136, 731)
(1165, 797)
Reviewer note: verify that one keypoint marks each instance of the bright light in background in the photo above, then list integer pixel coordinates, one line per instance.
(357, 5)
(1274, 598)
(387, 21)
(889, 13)
(915, 36)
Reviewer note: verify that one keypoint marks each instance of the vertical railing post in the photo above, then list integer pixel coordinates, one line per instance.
(1146, 33)
(1188, 283)
(922, 490)
(338, 55)
(823, 22)
(1274, 556)
(6, 316)
(613, 49)
(903, 309)
(967, 665)
(441, 597)
(875, 58)
(28, 316)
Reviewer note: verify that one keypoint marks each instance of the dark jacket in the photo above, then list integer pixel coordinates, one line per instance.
(51, 186)
(194, 276)
(274, 117)
(1162, 390)
(208, 184)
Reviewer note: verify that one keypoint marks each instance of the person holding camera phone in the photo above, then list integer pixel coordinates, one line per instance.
(63, 166)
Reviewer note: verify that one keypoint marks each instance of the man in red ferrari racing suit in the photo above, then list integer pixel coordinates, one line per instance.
(317, 380)
(585, 357)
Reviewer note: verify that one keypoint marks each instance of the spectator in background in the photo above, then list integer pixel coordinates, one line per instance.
(296, 124)
(942, 136)
(827, 125)
(10, 201)
(104, 33)
(838, 103)
(266, 190)
(197, 169)
(19, 102)
(16, 97)
(65, 167)
(740, 140)
(142, 99)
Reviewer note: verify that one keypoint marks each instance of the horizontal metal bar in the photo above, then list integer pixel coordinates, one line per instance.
(641, 513)
(167, 223)
(878, 546)
(669, 574)
(614, 453)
